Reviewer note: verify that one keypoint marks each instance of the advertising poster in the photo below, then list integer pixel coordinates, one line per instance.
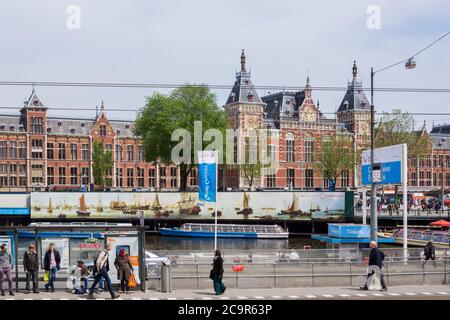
(9, 242)
(131, 246)
(266, 206)
(62, 245)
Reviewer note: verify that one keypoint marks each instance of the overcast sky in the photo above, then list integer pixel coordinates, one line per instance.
(200, 41)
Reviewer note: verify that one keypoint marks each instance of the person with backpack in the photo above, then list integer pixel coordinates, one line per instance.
(52, 260)
(101, 267)
(5, 268)
(216, 273)
(124, 270)
(376, 258)
(31, 267)
(429, 253)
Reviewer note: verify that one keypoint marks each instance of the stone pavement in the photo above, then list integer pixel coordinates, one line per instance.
(318, 293)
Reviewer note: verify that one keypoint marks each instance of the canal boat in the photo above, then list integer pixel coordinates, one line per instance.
(420, 235)
(206, 230)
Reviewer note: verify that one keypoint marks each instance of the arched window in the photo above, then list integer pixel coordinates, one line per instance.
(290, 147)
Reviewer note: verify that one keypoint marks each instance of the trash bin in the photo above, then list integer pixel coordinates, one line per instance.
(165, 277)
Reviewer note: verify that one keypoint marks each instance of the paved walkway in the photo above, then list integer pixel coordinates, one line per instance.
(333, 293)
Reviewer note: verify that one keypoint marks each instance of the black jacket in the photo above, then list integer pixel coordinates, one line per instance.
(429, 251)
(376, 257)
(217, 269)
(30, 261)
(47, 258)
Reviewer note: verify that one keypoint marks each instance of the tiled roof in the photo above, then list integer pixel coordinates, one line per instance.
(10, 123)
(443, 129)
(440, 141)
(355, 98)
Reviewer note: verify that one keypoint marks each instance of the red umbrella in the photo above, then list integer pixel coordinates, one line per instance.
(440, 223)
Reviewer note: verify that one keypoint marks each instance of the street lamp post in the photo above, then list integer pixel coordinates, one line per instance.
(373, 197)
(443, 186)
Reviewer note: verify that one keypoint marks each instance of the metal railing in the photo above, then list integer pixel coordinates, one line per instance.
(310, 274)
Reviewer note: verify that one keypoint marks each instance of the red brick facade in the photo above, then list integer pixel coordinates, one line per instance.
(38, 152)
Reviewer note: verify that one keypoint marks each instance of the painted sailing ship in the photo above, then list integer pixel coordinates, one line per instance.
(187, 205)
(144, 206)
(50, 207)
(133, 209)
(246, 211)
(267, 217)
(294, 208)
(117, 205)
(219, 213)
(157, 208)
(99, 206)
(84, 212)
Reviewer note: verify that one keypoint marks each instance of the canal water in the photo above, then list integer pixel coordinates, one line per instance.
(157, 242)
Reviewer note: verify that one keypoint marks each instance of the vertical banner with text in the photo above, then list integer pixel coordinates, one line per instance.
(207, 171)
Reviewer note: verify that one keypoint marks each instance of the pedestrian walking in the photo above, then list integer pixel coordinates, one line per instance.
(429, 253)
(31, 267)
(124, 270)
(376, 258)
(52, 260)
(5, 268)
(101, 266)
(216, 273)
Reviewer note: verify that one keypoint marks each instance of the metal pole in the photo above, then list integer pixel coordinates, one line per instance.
(16, 253)
(215, 205)
(443, 187)
(364, 206)
(143, 266)
(405, 202)
(373, 195)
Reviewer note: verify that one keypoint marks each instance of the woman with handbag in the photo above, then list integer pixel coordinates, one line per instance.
(124, 270)
(216, 273)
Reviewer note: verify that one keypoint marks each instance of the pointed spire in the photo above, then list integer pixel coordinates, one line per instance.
(243, 61)
(308, 87)
(355, 71)
(102, 107)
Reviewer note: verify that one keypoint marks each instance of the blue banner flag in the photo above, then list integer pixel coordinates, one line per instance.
(207, 171)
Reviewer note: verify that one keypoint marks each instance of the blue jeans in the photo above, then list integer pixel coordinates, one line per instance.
(103, 274)
(51, 278)
(85, 281)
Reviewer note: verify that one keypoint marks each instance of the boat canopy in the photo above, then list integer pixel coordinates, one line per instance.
(204, 227)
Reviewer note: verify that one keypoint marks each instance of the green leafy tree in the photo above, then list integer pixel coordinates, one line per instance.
(334, 155)
(163, 114)
(398, 128)
(102, 164)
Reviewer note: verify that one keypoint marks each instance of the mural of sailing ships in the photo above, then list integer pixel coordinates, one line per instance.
(294, 208)
(246, 211)
(84, 212)
(157, 208)
(187, 205)
(314, 208)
